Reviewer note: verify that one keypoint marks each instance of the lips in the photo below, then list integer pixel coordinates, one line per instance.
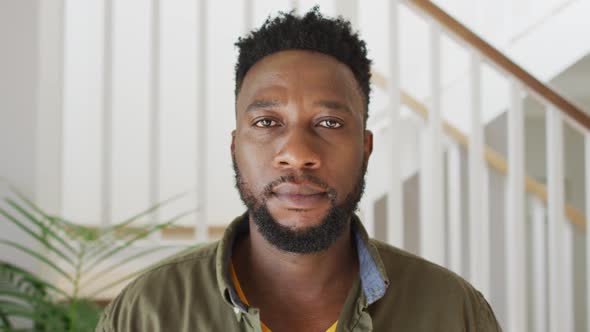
(300, 196)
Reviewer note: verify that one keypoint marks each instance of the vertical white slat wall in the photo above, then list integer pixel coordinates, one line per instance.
(432, 230)
(395, 227)
(201, 228)
(539, 265)
(368, 214)
(154, 105)
(348, 9)
(514, 229)
(48, 191)
(50, 89)
(248, 15)
(107, 110)
(558, 316)
(587, 195)
(476, 177)
(454, 198)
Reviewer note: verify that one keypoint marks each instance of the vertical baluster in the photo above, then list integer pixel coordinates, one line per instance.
(485, 273)
(248, 15)
(395, 217)
(432, 231)
(368, 214)
(587, 191)
(349, 10)
(424, 183)
(568, 274)
(50, 111)
(515, 220)
(539, 251)
(559, 286)
(201, 226)
(476, 177)
(107, 109)
(49, 189)
(454, 198)
(154, 153)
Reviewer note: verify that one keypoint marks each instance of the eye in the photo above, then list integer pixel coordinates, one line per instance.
(265, 123)
(330, 124)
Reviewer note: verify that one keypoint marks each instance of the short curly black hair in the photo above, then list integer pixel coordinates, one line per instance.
(313, 32)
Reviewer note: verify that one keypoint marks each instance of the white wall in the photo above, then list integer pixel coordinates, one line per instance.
(18, 98)
(30, 111)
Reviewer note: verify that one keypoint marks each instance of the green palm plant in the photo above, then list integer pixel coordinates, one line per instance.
(25, 295)
(77, 254)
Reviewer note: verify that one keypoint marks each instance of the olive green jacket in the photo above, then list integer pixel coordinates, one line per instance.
(395, 291)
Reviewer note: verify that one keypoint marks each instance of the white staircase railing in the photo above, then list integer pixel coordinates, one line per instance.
(559, 270)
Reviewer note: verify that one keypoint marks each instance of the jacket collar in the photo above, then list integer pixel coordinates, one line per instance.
(374, 280)
(373, 276)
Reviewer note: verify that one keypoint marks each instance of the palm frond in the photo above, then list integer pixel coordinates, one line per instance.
(121, 263)
(44, 227)
(125, 223)
(49, 219)
(78, 250)
(38, 256)
(44, 319)
(5, 323)
(12, 274)
(148, 230)
(36, 236)
(110, 233)
(24, 295)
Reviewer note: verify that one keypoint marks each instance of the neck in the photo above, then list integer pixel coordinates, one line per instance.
(313, 273)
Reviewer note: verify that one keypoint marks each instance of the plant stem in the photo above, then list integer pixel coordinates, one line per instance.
(76, 284)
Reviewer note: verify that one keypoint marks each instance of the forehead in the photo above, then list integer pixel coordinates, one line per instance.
(293, 73)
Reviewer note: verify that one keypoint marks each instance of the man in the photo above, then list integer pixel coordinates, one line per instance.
(299, 259)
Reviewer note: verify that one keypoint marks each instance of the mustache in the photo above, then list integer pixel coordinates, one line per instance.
(297, 179)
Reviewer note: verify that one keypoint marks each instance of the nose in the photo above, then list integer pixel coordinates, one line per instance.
(297, 152)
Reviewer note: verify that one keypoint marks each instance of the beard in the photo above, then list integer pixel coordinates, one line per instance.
(311, 239)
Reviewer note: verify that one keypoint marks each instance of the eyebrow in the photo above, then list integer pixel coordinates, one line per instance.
(268, 103)
(333, 105)
(263, 103)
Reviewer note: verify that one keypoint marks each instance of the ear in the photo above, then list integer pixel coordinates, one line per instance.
(368, 145)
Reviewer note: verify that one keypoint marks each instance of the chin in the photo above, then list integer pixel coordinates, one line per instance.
(299, 220)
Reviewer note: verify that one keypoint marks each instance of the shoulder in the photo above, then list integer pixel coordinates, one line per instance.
(428, 287)
(398, 261)
(170, 285)
(183, 267)
(401, 265)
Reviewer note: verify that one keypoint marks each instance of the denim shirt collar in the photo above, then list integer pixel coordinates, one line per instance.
(374, 280)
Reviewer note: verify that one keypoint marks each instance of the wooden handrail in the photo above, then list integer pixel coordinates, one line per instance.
(492, 54)
(174, 232)
(186, 232)
(494, 159)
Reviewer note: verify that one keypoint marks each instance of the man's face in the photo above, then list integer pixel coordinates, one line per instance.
(300, 149)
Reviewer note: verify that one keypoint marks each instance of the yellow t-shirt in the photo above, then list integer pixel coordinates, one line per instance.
(265, 328)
